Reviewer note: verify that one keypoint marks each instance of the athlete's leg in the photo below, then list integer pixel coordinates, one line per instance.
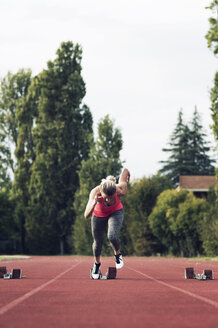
(114, 225)
(99, 226)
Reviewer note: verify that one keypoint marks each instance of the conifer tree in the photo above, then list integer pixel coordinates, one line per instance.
(178, 161)
(188, 150)
(200, 162)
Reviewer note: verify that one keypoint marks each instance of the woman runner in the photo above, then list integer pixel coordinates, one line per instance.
(105, 206)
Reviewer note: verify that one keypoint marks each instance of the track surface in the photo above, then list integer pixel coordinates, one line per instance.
(149, 292)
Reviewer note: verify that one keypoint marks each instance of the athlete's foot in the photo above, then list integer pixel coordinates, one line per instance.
(96, 273)
(119, 261)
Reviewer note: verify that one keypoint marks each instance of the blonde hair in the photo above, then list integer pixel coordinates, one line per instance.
(108, 185)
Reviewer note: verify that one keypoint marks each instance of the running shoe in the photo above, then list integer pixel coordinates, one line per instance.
(96, 273)
(119, 261)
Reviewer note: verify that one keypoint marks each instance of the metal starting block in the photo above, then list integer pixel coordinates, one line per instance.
(3, 271)
(110, 274)
(14, 274)
(205, 275)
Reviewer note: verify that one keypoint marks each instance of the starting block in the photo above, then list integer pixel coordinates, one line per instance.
(14, 274)
(205, 275)
(110, 274)
(3, 271)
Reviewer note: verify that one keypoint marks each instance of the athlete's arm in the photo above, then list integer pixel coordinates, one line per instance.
(94, 197)
(122, 184)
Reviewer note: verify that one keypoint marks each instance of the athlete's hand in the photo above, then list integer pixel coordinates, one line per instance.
(98, 197)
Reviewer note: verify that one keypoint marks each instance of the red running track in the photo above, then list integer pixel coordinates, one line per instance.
(149, 292)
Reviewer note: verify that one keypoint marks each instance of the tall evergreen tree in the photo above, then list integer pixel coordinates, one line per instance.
(188, 150)
(200, 162)
(104, 160)
(61, 138)
(178, 161)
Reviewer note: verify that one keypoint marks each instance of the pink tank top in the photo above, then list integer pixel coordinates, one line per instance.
(103, 211)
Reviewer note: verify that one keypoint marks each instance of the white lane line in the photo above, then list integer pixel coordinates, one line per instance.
(19, 300)
(198, 297)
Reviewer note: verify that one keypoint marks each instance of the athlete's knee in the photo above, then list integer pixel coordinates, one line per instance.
(113, 239)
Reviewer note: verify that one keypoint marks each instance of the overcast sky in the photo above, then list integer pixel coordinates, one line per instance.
(143, 61)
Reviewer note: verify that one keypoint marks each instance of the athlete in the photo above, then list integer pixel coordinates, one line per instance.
(105, 206)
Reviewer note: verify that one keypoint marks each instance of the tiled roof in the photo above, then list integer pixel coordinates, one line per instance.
(197, 182)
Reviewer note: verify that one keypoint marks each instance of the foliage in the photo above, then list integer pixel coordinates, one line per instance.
(7, 223)
(61, 138)
(136, 235)
(13, 89)
(26, 113)
(200, 161)
(210, 226)
(214, 106)
(176, 221)
(212, 40)
(188, 150)
(5, 181)
(212, 35)
(104, 160)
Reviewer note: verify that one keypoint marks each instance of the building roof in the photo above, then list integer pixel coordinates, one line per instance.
(197, 182)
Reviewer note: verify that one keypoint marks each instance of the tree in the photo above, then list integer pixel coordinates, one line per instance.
(8, 226)
(212, 35)
(200, 162)
(26, 113)
(214, 106)
(136, 234)
(61, 137)
(187, 225)
(188, 150)
(104, 160)
(14, 88)
(209, 231)
(178, 162)
(5, 181)
(176, 221)
(212, 41)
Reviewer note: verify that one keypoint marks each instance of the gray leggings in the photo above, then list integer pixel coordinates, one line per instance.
(99, 226)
